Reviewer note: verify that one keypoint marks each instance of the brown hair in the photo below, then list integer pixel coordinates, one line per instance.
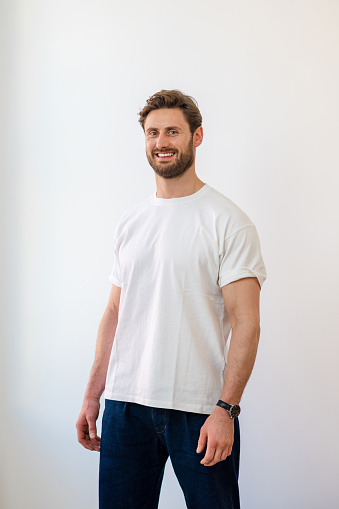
(173, 99)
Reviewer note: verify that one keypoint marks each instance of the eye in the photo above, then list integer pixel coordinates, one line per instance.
(172, 131)
(152, 133)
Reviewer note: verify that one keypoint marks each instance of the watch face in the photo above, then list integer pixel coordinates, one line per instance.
(235, 410)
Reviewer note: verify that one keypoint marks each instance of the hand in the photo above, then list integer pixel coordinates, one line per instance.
(218, 431)
(86, 425)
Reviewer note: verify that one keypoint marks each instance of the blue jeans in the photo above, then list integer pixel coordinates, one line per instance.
(136, 441)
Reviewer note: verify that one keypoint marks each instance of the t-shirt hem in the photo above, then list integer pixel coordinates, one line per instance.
(114, 281)
(173, 405)
(241, 275)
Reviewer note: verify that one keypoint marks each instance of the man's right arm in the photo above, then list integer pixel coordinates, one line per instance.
(86, 423)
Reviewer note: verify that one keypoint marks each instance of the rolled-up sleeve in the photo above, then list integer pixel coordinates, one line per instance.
(241, 257)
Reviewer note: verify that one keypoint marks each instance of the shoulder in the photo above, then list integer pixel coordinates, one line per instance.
(228, 214)
(131, 214)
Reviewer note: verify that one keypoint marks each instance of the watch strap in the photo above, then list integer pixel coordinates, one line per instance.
(224, 405)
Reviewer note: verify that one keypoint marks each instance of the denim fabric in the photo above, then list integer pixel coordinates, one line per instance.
(136, 442)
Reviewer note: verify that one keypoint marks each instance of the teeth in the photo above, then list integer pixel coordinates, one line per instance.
(166, 155)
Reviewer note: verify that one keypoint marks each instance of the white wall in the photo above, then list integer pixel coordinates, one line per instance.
(266, 77)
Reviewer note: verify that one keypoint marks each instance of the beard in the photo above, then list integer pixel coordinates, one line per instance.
(182, 163)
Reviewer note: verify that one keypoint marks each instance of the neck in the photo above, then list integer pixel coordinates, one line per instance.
(178, 187)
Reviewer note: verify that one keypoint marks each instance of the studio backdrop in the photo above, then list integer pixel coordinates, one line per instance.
(74, 76)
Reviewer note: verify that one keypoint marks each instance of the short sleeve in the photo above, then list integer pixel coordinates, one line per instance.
(115, 275)
(242, 257)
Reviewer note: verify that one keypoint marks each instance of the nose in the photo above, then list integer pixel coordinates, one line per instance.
(162, 141)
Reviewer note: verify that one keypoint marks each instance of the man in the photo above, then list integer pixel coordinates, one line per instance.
(187, 270)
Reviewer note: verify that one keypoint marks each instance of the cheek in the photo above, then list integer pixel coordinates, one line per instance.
(150, 145)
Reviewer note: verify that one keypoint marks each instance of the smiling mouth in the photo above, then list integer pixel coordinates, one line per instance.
(164, 155)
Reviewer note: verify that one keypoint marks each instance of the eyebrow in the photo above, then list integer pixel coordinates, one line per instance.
(167, 128)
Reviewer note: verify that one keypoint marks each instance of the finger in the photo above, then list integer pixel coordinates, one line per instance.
(96, 447)
(216, 458)
(96, 443)
(209, 455)
(81, 433)
(201, 441)
(86, 444)
(224, 455)
(90, 443)
(81, 426)
(92, 428)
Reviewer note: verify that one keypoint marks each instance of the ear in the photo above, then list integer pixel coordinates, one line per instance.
(198, 136)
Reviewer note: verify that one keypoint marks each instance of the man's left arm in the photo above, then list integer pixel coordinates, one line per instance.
(241, 300)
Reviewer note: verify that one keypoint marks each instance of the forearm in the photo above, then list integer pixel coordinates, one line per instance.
(240, 360)
(86, 423)
(106, 333)
(241, 299)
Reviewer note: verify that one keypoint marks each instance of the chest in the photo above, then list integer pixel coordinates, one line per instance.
(182, 246)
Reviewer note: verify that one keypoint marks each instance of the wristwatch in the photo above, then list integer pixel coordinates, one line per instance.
(233, 410)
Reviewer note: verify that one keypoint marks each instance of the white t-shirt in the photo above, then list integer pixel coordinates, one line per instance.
(171, 258)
